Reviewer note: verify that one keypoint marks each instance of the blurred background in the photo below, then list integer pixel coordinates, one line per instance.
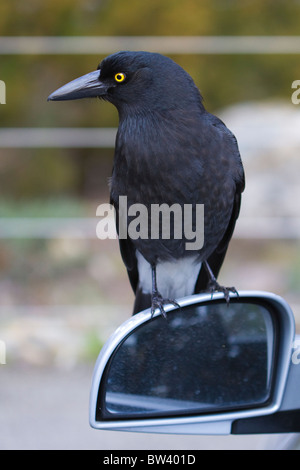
(63, 291)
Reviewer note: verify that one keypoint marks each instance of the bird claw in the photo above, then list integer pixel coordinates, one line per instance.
(214, 286)
(158, 302)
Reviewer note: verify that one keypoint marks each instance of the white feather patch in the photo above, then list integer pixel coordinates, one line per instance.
(176, 278)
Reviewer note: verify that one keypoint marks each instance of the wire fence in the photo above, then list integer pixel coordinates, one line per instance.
(287, 228)
(164, 44)
(19, 137)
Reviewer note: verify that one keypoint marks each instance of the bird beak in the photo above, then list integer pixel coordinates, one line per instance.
(87, 86)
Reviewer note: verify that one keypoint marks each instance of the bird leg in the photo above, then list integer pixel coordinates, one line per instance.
(214, 286)
(157, 299)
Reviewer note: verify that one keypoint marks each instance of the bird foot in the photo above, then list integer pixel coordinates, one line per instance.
(214, 286)
(158, 302)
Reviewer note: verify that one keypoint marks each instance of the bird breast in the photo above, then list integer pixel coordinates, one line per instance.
(167, 162)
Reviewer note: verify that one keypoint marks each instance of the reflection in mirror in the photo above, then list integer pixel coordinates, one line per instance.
(202, 358)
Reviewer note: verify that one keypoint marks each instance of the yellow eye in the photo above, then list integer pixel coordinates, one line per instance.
(120, 77)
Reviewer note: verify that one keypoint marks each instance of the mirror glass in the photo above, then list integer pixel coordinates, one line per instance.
(202, 358)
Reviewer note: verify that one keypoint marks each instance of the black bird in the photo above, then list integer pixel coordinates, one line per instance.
(169, 150)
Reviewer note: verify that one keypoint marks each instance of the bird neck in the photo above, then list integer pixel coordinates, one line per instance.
(146, 121)
(149, 142)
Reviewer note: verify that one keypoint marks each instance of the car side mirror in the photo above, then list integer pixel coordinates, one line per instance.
(207, 368)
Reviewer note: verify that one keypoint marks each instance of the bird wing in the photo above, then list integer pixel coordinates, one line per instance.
(128, 253)
(215, 260)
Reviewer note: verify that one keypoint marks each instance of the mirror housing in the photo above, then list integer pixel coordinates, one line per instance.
(208, 368)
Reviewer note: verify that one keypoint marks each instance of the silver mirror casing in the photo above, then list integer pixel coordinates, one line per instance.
(200, 423)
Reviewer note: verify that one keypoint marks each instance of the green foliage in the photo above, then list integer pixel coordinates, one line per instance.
(223, 79)
(45, 207)
(93, 344)
(38, 172)
(170, 17)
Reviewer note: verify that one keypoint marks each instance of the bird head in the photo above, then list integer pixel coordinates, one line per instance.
(132, 80)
